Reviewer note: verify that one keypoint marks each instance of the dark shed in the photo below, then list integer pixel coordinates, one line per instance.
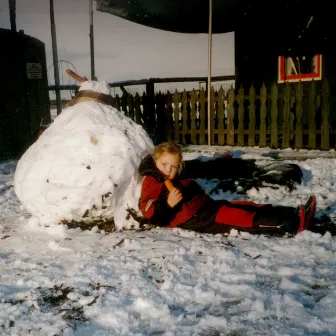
(24, 95)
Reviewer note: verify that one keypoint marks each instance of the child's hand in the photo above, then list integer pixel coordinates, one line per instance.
(174, 197)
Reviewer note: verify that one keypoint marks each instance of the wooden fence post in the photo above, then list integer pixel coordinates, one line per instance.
(202, 117)
(274, 116)
(286, 116)
(311, 116)
(325, 115)
(299, 115)
(252, 123)
(221, 108)
(193, 101)
(241, 100)
(230, 119)
(263, 112)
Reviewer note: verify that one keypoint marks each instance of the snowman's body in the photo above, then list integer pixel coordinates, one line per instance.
(84, 166)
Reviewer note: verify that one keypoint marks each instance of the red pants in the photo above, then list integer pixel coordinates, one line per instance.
(237, 213)
(222, 216)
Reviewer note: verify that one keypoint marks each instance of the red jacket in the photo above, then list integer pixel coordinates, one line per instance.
(154, 194)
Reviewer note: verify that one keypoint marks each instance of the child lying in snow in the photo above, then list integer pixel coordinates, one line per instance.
(188, 207)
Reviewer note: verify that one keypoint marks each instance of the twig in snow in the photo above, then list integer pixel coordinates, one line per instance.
(120, 243)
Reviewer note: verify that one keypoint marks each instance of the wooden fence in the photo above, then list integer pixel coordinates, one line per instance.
(282, 116)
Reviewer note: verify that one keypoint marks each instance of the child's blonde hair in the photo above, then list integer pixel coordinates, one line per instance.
(167, 147)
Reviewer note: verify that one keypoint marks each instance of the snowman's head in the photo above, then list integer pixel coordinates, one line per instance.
(101, 87)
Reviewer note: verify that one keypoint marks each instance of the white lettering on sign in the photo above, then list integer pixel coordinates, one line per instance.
(34, 70)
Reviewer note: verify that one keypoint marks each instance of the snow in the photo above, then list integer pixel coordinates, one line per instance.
(60, 281)
(84, 166)
(152, 281)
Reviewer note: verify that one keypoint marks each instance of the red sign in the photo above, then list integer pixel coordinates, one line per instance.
(290, 69)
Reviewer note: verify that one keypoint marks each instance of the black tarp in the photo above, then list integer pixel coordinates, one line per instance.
(295, 24)
(184, 16)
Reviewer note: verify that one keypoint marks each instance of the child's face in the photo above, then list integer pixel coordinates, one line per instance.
(168, 164)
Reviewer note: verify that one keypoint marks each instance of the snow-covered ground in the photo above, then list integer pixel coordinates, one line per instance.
(59, 281)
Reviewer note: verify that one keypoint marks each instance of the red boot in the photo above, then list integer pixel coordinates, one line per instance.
(309, 209)
(306, 214)
(302, 218)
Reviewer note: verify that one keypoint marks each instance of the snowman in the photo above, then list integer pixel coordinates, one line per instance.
(84, 167)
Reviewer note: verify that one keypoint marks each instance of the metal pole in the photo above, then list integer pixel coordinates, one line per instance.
(209, 71)
(93, 77)
(55, 58)
(12, 14)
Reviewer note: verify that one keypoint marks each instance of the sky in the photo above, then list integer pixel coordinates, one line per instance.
(57, 280)
(123, 50)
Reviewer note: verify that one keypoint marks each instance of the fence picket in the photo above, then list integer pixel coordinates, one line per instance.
(299, 115)
(212, 115)
(263, 112)
(123, 104)
(117, 102)
(161, 119)
(176, 117)
(241, 100)
(230, 118)
(193, 100)
(169, 115)
(137, 107)
(130, 104)
(311, 116)
(286, 116)
(221, 111)
(274, 116)
(184, 104)
(252, 122)
(202, 117)
(145, 116)
(325, 115)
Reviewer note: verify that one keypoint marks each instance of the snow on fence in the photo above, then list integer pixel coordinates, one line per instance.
(280, 116)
